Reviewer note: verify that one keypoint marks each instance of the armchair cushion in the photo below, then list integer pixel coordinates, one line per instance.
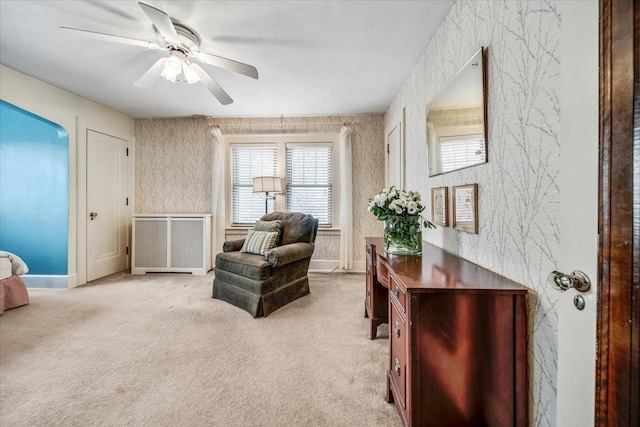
(244, 264)
(259, 242)
(283, 255)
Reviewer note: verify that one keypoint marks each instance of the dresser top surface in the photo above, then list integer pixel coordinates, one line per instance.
(438, 270)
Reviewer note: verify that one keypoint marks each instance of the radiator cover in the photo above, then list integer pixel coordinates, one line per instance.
(171, 243)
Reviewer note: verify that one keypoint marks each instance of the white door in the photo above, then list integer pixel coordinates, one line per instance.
(394, 157)
(107, 210)
(578, 211)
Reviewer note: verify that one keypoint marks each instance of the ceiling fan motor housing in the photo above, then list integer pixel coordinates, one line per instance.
(190, 40)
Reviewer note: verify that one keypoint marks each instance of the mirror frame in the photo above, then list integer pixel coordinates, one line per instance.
(485, 89)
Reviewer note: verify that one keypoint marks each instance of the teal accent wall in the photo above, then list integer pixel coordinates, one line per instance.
(34, 190)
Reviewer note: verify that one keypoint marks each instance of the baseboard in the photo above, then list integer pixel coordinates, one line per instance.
(41, 281)
(326, 266)
(359, 267)
(323, 266)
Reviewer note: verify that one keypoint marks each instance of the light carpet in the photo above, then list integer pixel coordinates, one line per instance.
(158, 350)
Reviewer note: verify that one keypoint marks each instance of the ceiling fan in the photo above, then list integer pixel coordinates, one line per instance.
(182, 44)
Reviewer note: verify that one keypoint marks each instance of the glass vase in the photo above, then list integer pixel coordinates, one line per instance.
(402, 235)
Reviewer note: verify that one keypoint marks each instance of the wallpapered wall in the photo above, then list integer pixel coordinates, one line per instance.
(173, 166)
(518, 192)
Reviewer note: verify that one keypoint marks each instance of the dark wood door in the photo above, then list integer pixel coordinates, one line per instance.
(618, 364)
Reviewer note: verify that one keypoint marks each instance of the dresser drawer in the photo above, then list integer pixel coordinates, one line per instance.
(398, 351)
(398, 378)
(383, 273)
(398, 292)
(398, 331)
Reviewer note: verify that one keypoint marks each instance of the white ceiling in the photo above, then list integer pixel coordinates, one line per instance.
(313, 57)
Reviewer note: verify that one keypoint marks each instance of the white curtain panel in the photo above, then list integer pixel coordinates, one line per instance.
(218, 192)
(346, 200)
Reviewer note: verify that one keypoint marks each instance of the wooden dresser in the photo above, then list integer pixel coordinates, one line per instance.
(457, 347)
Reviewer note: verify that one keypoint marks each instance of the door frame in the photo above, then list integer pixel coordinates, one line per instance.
(618, 331)
(83, 126)
(400, 124)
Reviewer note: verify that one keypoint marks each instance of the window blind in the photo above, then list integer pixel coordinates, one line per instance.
(461, 151)
(248, 162)
(309, 181)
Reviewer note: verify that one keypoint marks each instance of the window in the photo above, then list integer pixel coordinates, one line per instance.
(461, 151)
(247, 162)
(309, 181)
(305, 161)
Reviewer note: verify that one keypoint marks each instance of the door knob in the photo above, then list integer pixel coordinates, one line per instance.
(93, 215)
(577, 280)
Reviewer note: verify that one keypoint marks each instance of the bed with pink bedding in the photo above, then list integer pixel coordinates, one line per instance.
(13, 292)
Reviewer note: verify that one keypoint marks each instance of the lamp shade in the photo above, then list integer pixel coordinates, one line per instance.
(267, 184)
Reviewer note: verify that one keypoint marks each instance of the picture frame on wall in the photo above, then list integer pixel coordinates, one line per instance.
(440, 206)
(465, 208)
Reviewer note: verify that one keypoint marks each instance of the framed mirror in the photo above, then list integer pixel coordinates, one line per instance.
(457, 119)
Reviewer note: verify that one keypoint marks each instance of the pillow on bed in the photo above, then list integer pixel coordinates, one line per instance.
(259, 242)
(18, 266)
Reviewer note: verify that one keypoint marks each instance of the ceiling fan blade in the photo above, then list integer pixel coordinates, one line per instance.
(111, 38)
(152, 74)
(113, 9)
(211, 84)
(227, 64)
(162, 22)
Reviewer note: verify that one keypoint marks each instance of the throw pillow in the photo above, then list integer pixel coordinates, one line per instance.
(259, 242)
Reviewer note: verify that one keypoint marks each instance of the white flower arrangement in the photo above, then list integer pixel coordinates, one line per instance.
(400, 209)
(392, 202)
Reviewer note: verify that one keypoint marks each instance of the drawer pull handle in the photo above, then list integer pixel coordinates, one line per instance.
(397, 329)
(396, 291)
(396, 367)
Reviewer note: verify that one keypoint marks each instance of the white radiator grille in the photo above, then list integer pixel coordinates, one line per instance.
(150, 244)
(171, 243)
(187, 243)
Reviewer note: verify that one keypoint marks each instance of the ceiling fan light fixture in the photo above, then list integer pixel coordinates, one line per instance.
(190, 74)
(169, 74)
(172, 69)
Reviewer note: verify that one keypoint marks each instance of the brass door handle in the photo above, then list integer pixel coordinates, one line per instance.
(93, 215)
(397, 329)
(396, 367)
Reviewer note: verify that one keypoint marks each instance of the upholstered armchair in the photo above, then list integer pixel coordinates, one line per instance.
(262, 283)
